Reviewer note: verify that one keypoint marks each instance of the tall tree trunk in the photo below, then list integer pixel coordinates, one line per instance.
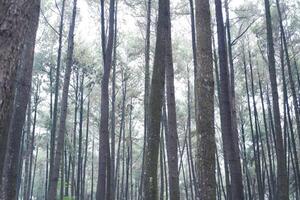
(22, 97)
(56, 92)
(64, 107)
(171, 134)
(204, 89)
(155, 103)
(113, 108)
(86, 149)
(27, 150)
(79, 164)
(104, 185)
(146, 93)
(13, 28)
(231, 142)
(282, 179)
(73, 154)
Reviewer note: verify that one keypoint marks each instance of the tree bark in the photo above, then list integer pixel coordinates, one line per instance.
(155, 103)
(204, 89)
(22, 97)
(13, 28)
(171, 134)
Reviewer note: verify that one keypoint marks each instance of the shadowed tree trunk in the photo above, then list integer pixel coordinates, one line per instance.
(22, 96)
(204, 90)
(231, 141)
(13, 28)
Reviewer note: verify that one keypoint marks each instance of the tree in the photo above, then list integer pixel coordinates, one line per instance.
(171, 133)
(155, 103)
(104, 182)
(64, 108)
(282, 180)
(230, 141)
(204, 94)
(21, 99)
(13, 28)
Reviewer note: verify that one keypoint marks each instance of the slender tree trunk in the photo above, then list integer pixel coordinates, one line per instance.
(64, 107)
(27, 150)
(171, 134)
(73, 181)
(86, 149)
(104, 185)
(79, 164)
(32, 143)
(56, 92)
(147, 91)
(256, 137)
(225, 154)
(113, 105)
(231, 142)
(282, 179)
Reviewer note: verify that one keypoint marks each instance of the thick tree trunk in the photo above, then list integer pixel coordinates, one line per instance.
(22, 96)
(64, 107)
(204, 89)
(282, 179)
(13, 28)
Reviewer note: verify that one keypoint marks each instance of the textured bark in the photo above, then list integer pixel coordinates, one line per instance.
(282, 179)
(22, 97)
(14, 24)
(103, 184)
(63, 113)
(113, 108)
(204, 89)
(155, 103)
(231, 143)
(171, 134)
